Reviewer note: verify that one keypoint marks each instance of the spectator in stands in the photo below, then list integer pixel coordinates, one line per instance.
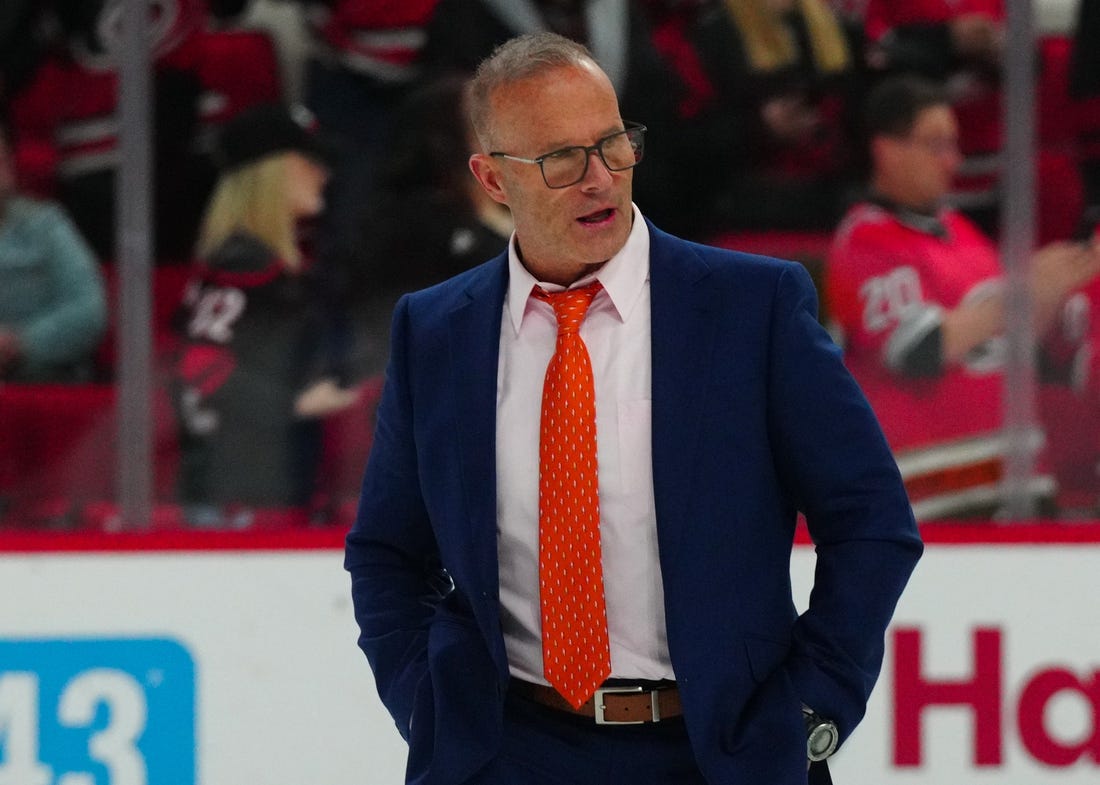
(936, 37)
(233, 67)
(69, 124)
(1085, 86)
(850, 12)
(425, 174)
(463, 32)
(255, 376)
(52, 304)
(958, 44)
(365, 58)
(21, 44)
(916, 292)
(784, 79)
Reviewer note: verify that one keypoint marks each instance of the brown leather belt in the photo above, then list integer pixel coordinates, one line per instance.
(610, 705)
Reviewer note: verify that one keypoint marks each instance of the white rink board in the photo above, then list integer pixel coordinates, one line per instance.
(282, 695)
(1038, 603)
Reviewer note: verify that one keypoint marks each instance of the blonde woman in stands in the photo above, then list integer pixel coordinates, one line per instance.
(255, 376)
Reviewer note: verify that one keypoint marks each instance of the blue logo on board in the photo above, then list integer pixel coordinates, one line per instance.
(94, 711)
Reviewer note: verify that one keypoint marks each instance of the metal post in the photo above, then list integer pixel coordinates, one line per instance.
(1017, 241)
(134, 243)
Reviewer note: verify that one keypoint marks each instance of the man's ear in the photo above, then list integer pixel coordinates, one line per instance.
(883, 149)
(486, 171)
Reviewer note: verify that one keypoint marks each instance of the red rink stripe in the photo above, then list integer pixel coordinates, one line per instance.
(1036, 533)
(183, 540)
(995, 533)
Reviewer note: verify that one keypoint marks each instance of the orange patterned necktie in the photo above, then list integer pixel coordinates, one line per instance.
(575, 649)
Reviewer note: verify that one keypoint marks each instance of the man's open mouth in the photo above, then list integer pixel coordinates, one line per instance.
(597, 217)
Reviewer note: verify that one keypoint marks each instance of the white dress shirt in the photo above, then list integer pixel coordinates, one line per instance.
(616, 331)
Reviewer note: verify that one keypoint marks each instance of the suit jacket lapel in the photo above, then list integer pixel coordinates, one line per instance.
(475, 347)
(683, 314)
(683, 322)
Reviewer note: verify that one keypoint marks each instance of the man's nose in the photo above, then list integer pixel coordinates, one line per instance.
(597, 175)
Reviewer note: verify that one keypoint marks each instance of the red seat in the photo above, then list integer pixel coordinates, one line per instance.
(1063, 118)
(56, 446)
(1072, 424)
(1059, 195)
(809, 248)
(169, 284)
(58, 450)
(783, 245)
(346, 444)
(1055, 107)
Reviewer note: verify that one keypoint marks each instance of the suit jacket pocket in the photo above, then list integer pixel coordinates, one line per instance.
(769, 737)
(465, 728)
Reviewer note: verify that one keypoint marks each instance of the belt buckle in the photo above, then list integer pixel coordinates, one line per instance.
(599, 707)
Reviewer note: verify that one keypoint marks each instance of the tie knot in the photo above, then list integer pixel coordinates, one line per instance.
(571, 305)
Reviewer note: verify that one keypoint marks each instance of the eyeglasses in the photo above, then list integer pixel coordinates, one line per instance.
(565, 167)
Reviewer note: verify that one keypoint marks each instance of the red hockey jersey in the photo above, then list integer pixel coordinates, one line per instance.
(890, 277)
(381, 39)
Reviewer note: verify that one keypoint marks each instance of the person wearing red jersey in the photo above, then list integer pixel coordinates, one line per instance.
(917, 298)
(366, 57)
(69, 123)
(961, 45)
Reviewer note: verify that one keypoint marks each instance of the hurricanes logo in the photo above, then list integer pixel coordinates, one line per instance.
(169, 23)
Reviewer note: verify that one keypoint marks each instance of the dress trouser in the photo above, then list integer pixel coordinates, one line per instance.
(544, 746)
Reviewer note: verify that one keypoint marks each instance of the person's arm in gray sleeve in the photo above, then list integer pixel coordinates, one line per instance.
(70, 328)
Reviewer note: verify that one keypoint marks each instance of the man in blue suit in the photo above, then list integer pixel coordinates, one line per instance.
(722, 410)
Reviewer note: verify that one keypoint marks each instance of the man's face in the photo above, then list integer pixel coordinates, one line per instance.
(305, 184)
(922, 165)
(562, 232)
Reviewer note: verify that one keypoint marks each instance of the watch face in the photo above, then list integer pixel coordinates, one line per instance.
(822, 742)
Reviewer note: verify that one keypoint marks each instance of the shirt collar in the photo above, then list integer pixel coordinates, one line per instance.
(623, 277)
(925, 222)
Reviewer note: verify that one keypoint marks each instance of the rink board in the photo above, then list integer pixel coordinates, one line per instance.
(222, 660)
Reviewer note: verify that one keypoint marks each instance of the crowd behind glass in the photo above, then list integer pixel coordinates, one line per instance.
(310, 167)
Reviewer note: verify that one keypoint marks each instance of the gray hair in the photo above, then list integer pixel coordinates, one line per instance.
(513, 61)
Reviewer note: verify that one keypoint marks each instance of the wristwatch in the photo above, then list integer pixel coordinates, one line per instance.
(822, 736)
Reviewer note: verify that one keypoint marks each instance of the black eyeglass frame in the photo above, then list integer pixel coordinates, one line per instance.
(597, 148)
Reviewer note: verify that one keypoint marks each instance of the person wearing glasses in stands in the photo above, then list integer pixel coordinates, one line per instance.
(571, 558)
(917, 297)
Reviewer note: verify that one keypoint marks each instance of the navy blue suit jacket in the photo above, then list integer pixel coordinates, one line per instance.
(754, 419)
